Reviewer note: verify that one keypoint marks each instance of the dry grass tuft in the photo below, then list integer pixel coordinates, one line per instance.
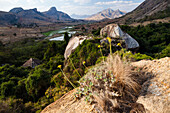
(124, 75)
(111, 87)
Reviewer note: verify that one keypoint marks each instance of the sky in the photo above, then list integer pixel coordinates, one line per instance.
(80, 7)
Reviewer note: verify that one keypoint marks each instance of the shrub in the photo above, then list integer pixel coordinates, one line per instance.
(152, 38)
(7, 88)
(37, 82)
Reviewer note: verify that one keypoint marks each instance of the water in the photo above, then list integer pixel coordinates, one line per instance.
(60, 38)
(62, 31)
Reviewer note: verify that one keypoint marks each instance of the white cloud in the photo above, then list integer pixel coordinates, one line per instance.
(119, 4)
(82, 1)
(125, 7)
(42, 1)
(10, 1)
(81, 10)
(113, 2)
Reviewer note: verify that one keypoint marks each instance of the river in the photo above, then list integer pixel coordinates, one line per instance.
(61, 31)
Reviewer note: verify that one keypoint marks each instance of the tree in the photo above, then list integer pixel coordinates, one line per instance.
(7, 88)
(51, 51)
(66, 37)
(37, 82)
(54, 62)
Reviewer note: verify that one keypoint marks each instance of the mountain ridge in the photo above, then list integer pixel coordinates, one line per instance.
(18, 15)
(54, 14)
(107, 13)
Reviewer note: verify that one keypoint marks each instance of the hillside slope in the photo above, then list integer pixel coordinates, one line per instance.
(153, 9)
(7, 18)
(148, 8)
(154, 92)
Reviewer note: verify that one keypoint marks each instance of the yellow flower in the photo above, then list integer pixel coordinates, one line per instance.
(109, 39)
(119, 44)
(59, 66)
(99, 46)
(84, 62)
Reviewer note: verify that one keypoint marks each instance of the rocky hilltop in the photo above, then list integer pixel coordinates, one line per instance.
(57, 15)
(107, 13)
(154, 80)
(16, 10)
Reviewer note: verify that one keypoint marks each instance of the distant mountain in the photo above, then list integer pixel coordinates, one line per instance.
(32, 16)
(75, 16)
(107, 13)
(29, 16)
(57, 15)
(7, 18)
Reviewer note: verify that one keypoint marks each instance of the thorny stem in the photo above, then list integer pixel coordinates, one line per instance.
(85, 66)
(110, 48)
(74, 66)
(102, 53)
(67, 78)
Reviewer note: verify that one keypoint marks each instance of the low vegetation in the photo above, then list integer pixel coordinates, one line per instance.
(31, 89)
(153, 39)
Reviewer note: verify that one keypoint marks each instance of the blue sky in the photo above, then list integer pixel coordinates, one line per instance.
(71, 6)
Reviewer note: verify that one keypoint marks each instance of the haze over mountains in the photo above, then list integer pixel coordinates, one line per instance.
(107, 13)
(76, 16)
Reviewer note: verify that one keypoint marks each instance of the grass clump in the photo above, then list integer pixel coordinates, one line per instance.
(110, 86)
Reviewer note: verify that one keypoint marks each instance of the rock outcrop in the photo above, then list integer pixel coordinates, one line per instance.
(74, 43)
(68, 104)
(154, 94)
(114, 31)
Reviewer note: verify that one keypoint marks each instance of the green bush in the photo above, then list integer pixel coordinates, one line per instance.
(152, 38)
(96, 32)
(164, 53)
(128, 55)
(54, 62)
(19, 52)
(37, 82)
(7, 88)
